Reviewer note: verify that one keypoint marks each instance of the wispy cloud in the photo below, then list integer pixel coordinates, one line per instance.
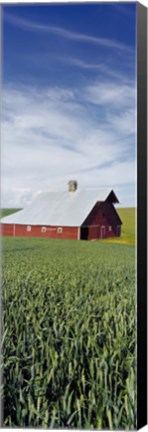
(107, 69)
(65, 33)
(51, 135)
(116, 94)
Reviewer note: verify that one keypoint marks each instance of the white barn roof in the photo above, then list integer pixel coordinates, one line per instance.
(60, 208)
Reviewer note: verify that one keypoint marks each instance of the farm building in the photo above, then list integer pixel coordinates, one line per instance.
(73, 214)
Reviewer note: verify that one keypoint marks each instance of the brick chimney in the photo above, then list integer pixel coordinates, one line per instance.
(72, 185)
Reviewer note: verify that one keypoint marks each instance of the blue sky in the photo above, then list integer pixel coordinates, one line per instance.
(69, 99)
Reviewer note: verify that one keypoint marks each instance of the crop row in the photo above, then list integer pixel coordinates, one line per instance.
(68, 334)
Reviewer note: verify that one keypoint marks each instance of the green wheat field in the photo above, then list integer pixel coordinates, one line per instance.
(69, 335)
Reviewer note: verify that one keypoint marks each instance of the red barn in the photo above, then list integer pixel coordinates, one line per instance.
(74, 214)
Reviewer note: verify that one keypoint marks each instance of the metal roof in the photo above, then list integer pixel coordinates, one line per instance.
(60, 208)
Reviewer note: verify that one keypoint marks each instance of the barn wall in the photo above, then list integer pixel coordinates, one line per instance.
(94, 232)
(103, 215)
(51, 232)
(7, 229)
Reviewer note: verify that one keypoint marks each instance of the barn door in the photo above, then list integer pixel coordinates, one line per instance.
(84, 233)
(102, 232)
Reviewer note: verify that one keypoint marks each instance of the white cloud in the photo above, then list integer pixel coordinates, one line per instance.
(55, 134)
(125, 122)
(117, 94)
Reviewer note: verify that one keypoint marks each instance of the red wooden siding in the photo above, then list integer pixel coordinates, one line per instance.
(51, 232)
(102, 222)
(6, 229)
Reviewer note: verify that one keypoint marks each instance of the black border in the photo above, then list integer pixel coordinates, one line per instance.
(141, 216)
